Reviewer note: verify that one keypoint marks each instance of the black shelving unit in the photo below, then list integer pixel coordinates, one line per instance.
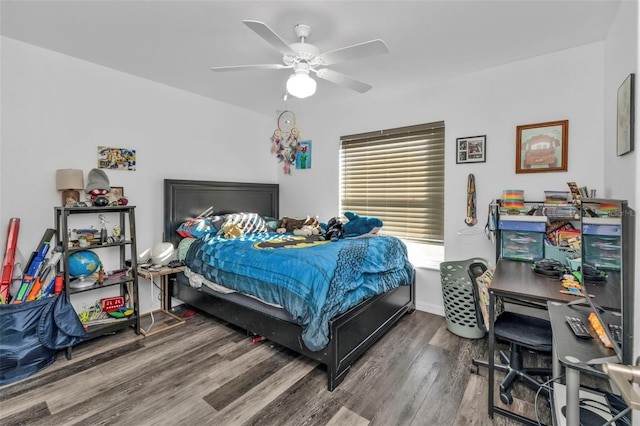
(127, 250)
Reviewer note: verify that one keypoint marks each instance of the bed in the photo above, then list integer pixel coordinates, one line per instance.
(350, 333)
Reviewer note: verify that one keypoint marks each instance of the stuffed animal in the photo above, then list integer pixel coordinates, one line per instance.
(361, 226)
(307, 231)
(334, 229)
(290, 224)
(231, 231)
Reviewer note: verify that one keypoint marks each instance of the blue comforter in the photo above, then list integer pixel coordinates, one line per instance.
(314, 281)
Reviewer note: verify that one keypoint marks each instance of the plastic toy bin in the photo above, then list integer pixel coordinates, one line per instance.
(522, 240)
(602, 246)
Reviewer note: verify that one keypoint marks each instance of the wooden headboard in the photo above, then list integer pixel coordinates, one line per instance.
(184, 199)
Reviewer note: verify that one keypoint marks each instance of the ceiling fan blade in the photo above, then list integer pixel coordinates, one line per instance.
(251, 67)
(368, 48)
(271, 37)
(343, 80)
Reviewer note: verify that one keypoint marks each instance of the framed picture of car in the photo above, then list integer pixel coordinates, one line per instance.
(542, 147)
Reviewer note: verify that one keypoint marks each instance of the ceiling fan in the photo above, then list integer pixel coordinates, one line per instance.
(303, 58)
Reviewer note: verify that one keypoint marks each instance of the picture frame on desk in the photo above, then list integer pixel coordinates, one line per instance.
(542, 147)
(116, 193)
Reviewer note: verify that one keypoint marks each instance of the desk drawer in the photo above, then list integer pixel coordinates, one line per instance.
(522, 245)
(603, 252)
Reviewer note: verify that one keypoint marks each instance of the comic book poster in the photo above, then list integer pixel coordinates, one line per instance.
(116, 158)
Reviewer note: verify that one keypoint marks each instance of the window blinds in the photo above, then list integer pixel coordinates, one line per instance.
(397, 175)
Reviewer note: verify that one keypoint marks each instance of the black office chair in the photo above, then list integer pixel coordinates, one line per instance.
(520, 331)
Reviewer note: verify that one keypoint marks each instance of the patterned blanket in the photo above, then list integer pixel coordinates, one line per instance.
(313, 280)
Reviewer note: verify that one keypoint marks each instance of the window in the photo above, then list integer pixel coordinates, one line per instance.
(397, 175)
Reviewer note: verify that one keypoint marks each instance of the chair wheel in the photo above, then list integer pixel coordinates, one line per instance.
(506, 398)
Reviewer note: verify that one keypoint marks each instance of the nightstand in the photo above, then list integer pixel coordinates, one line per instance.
(163, 273)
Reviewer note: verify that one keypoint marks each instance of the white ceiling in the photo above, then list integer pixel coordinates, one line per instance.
(176, 42)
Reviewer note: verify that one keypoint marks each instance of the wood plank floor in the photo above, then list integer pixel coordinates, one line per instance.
(210, 373)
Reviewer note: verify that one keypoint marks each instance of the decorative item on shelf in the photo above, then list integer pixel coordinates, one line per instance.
(116, 196)
(513, 201)
(116, 235)
(70, 182)
(100, 274)
(98, 187)
(103, 228)
(82, 265)
(108, 304)
(84, 237)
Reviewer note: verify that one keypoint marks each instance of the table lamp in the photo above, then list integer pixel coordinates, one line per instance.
(69, 181)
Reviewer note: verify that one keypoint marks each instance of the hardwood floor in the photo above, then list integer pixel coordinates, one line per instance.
(209, 373)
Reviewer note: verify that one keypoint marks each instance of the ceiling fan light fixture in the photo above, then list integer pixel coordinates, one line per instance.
(300, 84)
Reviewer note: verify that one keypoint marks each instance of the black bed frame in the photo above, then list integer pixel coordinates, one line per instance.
(350, 334)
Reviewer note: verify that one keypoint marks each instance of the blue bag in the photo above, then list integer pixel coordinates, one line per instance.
(31, 334)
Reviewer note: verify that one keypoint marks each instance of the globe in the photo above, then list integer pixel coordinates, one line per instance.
(83, 263)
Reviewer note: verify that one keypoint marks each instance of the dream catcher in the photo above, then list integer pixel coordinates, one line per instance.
(285, 141)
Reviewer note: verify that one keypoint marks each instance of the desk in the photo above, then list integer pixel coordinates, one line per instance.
(514, 280)
(165, 298)
(577, 355)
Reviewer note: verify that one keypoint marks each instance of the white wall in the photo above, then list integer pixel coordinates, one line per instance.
(563, 85)
(56, 111)
(621, 59)
(621, 173)
(62, 109)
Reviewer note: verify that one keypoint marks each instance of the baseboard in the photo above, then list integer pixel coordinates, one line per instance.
(430, 308)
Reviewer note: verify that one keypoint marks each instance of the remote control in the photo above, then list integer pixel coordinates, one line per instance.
(578, 327)
(616, 333)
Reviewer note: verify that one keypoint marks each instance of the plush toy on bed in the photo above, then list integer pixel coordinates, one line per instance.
(307, 226)
(232, 230)
(307, 231)
(334, 230)
(361, 226)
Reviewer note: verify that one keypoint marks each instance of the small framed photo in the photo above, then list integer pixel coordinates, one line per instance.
(472, 149)
(303, 157)
(116, 193)
(625, 113)
(542, 147)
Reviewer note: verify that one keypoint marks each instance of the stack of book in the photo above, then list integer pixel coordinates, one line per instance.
(556, 197)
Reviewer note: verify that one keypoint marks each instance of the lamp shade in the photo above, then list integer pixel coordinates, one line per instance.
(69, 179)
(300, 84)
